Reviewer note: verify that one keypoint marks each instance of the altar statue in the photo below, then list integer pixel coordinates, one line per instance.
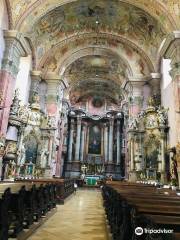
(162, 116)
(22, 156)
(44, 159)
(133, 124)
(11, 169)
(2, 147)
(159, 160)
(173, 170)
(53, 167)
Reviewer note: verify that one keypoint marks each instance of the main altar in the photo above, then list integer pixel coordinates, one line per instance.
(95, 140)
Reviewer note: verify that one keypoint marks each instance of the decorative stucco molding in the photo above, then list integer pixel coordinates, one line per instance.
(16, 47)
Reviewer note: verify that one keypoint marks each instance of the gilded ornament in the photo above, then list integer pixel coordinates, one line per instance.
(2, 145)
(178, 153)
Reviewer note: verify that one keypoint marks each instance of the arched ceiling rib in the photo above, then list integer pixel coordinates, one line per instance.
(72, 56)
(134, 55)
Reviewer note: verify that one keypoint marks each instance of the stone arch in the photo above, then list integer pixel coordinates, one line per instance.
(32, 52)
(82, 52)
(9, 13)
(110, 36)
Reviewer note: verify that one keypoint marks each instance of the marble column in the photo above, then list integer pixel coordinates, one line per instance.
(155, 83)
(2, 152)
(175, 74)
(170, 49)
(20, 144)
(82, 143)
(78, 139)
(16, 47)
(118, 160)
(136, 103)
(52, 106)
(53, 84)
(111, 126)
(61, 136)
(70, 141)
(35, 80)
(50, 157)
(132, 165)
(163, 163)
(105, 143)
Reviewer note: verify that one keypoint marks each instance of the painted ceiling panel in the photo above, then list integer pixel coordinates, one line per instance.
(129, 31)
(97, 16)
(26, 11)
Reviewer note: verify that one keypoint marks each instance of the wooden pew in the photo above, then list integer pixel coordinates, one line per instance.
(62, 188)
(28, 202)
(120, 206)
(5, 216)
(44, 196)
(25, 201)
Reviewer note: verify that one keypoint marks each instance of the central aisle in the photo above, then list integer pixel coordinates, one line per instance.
(81, 218)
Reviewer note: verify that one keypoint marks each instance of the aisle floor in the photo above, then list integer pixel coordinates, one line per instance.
(82, 217)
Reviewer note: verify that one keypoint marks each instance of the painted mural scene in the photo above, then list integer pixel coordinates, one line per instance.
(90, 119)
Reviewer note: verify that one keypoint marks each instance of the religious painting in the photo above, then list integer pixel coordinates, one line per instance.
(152, 152)
(151, 121)
(94, 140)
(31, 147)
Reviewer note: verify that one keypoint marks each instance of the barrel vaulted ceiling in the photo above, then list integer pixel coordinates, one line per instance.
(95, 45)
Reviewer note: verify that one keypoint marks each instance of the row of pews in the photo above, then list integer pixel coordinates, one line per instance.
(27, 201)
(130, 206)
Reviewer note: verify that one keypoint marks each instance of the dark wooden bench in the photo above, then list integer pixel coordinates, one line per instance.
(131, 205)
(62, 188)
(5, 216)
(22, 203)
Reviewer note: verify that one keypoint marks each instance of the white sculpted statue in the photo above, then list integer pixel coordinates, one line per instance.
(44, 158)
(22, 156)
(162, 116)
(133, 124)
(24, 112)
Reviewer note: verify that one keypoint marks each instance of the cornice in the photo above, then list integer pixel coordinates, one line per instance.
(16, 47)
(172, 41)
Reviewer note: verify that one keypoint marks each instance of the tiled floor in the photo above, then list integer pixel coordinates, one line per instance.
(81, 218)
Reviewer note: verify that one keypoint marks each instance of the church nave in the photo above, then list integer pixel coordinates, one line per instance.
(89, 99)
(82, 217)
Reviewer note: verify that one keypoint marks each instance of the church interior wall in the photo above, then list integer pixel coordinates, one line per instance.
(98, 64)
(23, 80)
(3, 25)
(167, 99)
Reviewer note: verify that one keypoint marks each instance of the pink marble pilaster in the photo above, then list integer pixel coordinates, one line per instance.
(176, 93)
(59, 163)
(7, 83)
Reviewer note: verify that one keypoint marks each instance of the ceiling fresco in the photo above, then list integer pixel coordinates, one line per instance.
(103, 88)
(97, 17)
(25, 12)
(96, 66)
(131, 55)
(96, 45)
(98, 76)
